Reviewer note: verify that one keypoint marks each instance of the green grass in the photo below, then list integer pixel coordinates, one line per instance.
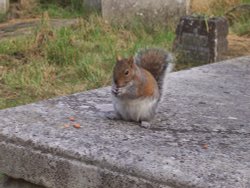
(58, 9)
(1, 177)
(70, 59)
(54, 62)
(241, 26)
(2, 17)
(240, 19)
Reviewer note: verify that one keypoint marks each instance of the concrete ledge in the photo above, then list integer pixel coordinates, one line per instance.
(200, 138)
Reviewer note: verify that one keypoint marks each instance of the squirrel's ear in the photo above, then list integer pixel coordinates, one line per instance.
(131, 60)
(118, 58)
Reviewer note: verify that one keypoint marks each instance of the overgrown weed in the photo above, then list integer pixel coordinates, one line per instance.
(53, 62)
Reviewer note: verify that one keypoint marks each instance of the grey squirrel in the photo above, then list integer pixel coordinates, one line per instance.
(138, 82)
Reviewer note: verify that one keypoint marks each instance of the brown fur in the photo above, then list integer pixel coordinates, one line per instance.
(153, 61)
(122, 65)
(146, 85)
(148, 88)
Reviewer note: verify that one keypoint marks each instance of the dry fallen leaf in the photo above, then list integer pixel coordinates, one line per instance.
(77, 125)
(66, 125)
(205, 146)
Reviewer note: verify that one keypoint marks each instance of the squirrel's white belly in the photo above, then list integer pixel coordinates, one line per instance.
(135, 109)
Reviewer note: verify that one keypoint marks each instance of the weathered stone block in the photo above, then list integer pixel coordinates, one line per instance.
(150, 11)
(94, 4)
(4, 6)
(195, 34)
(8, 182)
(200, 136)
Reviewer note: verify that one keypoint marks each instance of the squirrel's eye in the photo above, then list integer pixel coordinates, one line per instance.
(126, 72)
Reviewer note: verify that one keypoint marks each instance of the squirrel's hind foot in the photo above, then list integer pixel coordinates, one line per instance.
(112, 116)
(145, 124)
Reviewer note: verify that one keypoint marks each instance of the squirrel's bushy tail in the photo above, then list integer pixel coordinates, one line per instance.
(158, 62)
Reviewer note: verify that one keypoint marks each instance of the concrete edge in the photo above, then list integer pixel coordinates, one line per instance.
(89, 173)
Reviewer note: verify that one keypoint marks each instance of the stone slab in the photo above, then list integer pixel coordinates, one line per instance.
(4, 6)
(94, 4)
(199, 138)
(151, 11)
(8, 182)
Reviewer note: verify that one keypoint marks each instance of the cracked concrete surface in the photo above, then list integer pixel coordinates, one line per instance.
(200, 137)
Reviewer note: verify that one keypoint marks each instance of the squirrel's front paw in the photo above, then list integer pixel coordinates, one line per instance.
(145, 124)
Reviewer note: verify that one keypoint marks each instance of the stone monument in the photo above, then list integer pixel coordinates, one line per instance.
(150, 11)
(201, 39)
(4, 6)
